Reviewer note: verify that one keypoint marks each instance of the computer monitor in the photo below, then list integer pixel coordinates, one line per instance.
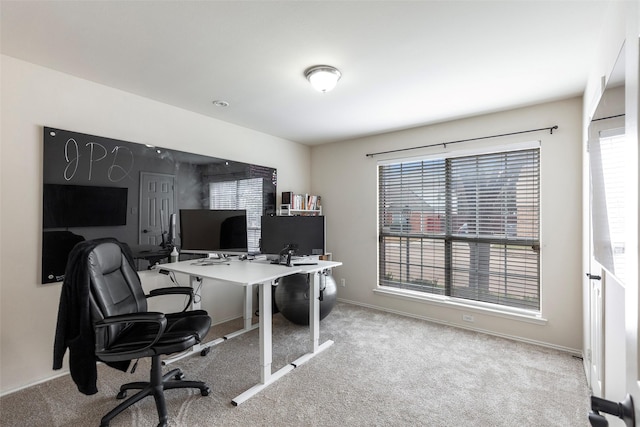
(83, 206)
(213, 231)
(306, 234)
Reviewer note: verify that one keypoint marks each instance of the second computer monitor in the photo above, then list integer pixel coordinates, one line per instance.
(304, 233)
(213, 231)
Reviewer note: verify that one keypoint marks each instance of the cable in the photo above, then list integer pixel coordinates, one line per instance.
(196, 292)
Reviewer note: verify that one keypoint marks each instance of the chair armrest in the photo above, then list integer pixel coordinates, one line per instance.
(175, 290)
(144, 317)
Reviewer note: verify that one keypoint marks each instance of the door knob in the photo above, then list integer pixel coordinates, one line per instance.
(593, 276)
(623, 410)
(145, 231)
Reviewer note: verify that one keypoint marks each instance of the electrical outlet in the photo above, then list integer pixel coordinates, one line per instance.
(343, 283)
(468, 318)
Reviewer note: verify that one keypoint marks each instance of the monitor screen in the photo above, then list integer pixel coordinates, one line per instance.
(307, 233)
(213, 231)
(83, 206)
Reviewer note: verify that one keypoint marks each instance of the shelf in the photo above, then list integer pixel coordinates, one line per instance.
(285, 210)
(301, 202)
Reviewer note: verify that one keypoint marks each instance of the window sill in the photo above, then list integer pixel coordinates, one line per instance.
(459, 304)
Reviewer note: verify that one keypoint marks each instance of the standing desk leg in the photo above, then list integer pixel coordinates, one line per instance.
(248, 306)
(266, 329)
(266, 347)
(314, 322)
(314, 311)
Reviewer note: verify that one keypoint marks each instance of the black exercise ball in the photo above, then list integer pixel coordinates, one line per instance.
(292, 297)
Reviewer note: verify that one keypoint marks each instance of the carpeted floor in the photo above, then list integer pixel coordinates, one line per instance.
(383, 370)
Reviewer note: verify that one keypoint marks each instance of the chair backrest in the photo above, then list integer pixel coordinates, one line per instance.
(115, 286)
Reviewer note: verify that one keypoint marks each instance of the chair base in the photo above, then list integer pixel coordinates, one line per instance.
(155, 387)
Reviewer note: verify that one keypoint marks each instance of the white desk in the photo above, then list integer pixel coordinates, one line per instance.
(263, 274)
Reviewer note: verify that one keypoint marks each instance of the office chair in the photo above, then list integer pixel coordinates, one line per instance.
(123, 329)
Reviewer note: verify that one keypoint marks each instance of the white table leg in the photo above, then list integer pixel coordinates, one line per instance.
(248, 307)
(314, 322)
(266, 347)
(265, 332)
(314, 311)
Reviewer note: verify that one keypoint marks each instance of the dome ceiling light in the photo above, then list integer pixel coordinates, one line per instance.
(323, 77)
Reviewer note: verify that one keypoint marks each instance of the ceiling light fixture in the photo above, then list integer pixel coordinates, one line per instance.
(220, 103)
(323, 77)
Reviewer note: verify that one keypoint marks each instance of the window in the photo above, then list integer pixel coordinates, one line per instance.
(242, 194)
(608, 192)
(463, 227)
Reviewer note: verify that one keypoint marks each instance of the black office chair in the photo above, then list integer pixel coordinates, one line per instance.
(123, 329)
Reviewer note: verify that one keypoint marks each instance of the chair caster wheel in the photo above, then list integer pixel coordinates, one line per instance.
(122, 395)
(179, 376)
(205, 351)
(205, 391)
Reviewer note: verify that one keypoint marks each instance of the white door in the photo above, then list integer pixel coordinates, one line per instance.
(619, 161)
(157, 203)
(632, 297)
(608, 263)
(595, 356)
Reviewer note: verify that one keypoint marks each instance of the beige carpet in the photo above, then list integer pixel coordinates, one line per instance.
(383, 370)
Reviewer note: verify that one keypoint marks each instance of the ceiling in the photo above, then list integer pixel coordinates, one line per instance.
(403, 64)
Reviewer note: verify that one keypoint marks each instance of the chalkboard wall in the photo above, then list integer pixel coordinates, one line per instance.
(90, 182)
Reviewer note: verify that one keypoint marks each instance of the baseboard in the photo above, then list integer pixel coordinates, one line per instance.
(62, 373)
(572, 351)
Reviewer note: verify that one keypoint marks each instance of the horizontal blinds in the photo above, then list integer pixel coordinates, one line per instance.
(223, 195)
(495, 195)
(495, 273)
(242, 194)
(467, 227)
(413, 263)
(412, 197)
(250, 198)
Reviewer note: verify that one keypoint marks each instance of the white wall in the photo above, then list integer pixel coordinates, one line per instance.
(33, 97)
(347, 181)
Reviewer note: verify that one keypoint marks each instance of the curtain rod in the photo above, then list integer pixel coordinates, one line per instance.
(444, 144)
(607, 118)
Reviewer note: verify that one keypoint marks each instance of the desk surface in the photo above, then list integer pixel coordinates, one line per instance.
(244, 272)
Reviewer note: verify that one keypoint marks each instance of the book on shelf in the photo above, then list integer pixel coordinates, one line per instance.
(313, 202)
(287, 196)
(301, 202)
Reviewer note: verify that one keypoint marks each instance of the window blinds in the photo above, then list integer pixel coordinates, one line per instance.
(465, 227)
(242, 194)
